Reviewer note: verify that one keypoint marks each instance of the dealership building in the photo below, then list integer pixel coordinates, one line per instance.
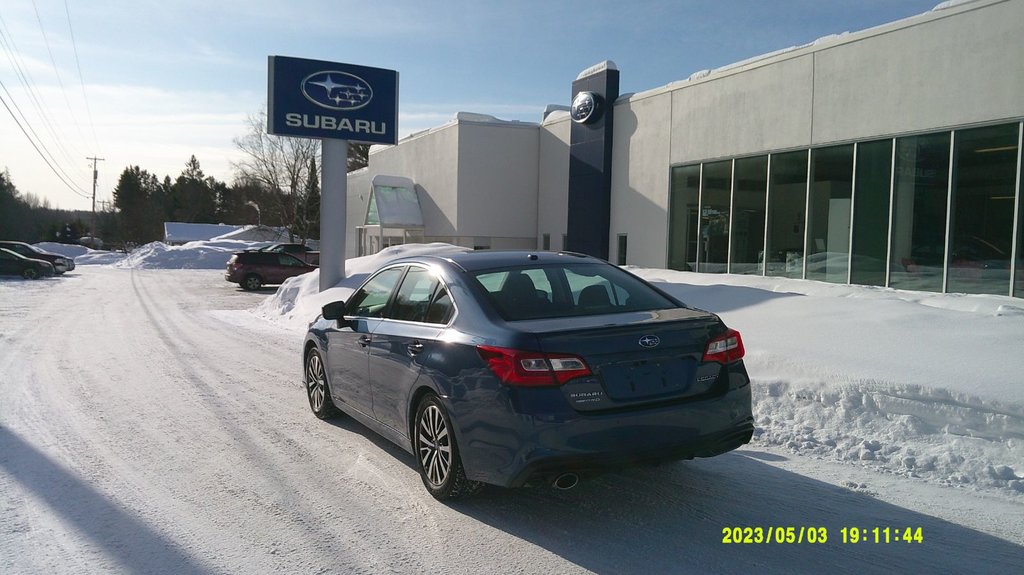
(886, 157)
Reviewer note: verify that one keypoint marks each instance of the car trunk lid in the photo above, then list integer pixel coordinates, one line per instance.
(635, 358)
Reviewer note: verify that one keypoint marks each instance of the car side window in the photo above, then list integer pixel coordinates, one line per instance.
(413, 296)
(372, 298)
(442, 308)
(289, 260)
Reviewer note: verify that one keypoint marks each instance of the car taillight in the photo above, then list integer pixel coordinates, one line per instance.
(530, 368)
(725, 348)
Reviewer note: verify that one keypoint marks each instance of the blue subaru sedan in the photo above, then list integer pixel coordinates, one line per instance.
(514, 368)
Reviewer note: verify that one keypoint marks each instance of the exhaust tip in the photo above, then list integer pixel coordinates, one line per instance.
(565, 481)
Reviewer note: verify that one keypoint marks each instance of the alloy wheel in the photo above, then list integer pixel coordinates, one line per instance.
(316, 382)
(434, 445)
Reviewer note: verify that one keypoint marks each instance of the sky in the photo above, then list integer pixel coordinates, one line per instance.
(153, 82)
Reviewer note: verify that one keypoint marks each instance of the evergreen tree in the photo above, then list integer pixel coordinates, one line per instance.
(14, 211)
(139, 217)
(192, 199)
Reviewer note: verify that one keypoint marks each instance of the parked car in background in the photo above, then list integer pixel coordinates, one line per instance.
(91, 242)
(512, 368)
(15, 264)
(303, 252)
(254, 269)
(60, 263)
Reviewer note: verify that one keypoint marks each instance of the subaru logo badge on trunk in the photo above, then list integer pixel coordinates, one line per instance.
(650, 341)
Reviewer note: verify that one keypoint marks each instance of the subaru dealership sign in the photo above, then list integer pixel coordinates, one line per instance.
(316, 99)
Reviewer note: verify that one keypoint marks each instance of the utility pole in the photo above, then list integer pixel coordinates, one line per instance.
(94, 175)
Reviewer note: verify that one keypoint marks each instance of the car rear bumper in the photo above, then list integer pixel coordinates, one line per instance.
(538, 448)
(546, 469)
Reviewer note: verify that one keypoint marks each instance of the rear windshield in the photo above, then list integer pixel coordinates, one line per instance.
(566, 290)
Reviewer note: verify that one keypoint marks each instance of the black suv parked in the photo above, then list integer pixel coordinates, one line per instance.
(252, 270)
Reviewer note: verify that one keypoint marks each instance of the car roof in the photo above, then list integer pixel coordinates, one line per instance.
(489, 259)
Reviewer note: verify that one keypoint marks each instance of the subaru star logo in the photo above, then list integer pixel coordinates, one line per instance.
(650, 341)
(584, 107)
(337, 90)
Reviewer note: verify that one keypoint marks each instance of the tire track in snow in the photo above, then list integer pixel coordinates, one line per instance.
(233, 402)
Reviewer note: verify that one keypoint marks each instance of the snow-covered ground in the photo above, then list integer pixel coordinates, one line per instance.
(151, 419)
(927, 386)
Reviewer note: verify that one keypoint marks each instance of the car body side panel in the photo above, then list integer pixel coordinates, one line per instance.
(348, 364)
(396, 353)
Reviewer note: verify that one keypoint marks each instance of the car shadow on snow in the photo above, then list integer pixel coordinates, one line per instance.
(670, 519)
(118, 532)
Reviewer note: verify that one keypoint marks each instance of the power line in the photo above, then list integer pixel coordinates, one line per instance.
(30, 128)
(56, 69)
(7, 41)
(81, 79)
(41, 155)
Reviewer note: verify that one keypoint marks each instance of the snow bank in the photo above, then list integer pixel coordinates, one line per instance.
(193, 255)
(909, 383)
(82, 255)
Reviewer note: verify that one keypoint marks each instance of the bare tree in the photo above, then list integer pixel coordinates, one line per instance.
(286, 166)
(280, 164)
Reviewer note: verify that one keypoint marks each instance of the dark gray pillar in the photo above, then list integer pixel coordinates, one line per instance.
(590, 160)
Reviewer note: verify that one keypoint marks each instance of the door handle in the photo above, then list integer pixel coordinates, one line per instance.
(363, 340)
(415, 348)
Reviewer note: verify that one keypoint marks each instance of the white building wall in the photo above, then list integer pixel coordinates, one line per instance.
(949, 68)
(497, 181)
(553, 180)
(762, 108)
(640, 180)
(431, 160)
(474, 179)
(358, 190)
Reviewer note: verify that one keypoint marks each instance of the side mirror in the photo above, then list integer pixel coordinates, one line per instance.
(334, 310)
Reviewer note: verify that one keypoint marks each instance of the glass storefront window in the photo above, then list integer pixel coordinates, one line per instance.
(748, 215)
(984, 187)
(828, 238)
(871, 212)
(682, 225)
(787, 200)
(919, 212)
(713, 241)
(1018, 289)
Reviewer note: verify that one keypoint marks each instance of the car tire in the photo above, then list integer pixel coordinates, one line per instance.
(30, 273)
(318, 391)
(437, 452)
(252, 282)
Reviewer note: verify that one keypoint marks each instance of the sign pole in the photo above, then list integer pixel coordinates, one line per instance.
(333, 211)
(336, 103)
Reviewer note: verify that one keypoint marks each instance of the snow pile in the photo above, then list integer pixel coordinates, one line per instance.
(193, 255)
(909, 383)
(82, 255)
